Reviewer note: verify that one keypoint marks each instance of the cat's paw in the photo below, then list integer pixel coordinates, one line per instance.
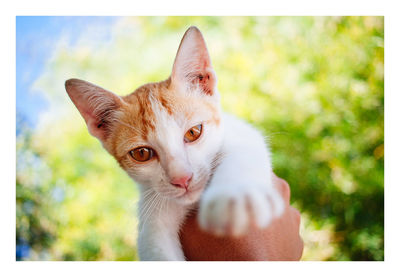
(232, 210)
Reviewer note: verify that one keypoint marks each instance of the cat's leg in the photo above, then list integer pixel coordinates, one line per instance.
(231, 203)
(158, 238)
(241, 191)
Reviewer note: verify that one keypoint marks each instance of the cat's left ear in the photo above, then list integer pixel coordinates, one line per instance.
(192, 66)
(96, 105)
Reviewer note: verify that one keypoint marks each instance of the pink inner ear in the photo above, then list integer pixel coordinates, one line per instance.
(192, 63)
(206, 82)
(95, 104)
(95, 129)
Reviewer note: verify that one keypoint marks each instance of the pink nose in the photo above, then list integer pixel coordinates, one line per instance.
(182, 181)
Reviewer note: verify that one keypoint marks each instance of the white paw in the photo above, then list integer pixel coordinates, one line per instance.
(231, 210)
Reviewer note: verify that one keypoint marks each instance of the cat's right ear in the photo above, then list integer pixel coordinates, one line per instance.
(96, 105)
(192, 66)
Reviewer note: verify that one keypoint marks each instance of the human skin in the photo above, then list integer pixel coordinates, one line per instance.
(280, 241)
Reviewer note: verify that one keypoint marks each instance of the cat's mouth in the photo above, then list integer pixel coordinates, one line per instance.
(193, 193)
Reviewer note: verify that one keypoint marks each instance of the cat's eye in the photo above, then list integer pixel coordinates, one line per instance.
(193, 133)
(142, 154)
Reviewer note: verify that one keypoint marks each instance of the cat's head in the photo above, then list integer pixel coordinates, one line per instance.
(167, 135)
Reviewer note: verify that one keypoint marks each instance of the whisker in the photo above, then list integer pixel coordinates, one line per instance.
(160, 205)
(146, 207)
(144, 195)
(150, 210)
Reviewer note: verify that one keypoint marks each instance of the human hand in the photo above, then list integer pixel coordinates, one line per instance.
(280, 241)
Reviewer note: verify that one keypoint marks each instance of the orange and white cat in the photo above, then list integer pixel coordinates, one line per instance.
(173, 140)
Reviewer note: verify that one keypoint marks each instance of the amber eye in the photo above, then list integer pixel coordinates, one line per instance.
(193, 133)
(142, 154)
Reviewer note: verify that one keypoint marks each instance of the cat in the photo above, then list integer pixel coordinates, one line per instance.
(172, 138)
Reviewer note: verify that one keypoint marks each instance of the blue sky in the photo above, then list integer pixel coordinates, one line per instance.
(36, 38)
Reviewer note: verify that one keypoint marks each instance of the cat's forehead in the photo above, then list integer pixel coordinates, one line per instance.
(150, 105)
(146, 105)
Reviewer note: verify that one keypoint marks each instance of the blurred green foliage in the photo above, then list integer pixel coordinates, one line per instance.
(314, 85)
